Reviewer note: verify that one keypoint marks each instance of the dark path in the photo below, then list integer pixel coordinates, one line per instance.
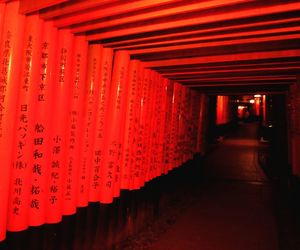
(233, 210)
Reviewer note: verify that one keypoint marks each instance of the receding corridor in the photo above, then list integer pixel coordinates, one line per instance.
(234, 209)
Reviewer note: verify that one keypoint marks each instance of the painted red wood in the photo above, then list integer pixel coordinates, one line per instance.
(110, 171)
(92, 82)
(25, 142)
(59, 121)
(44, 104)
(28, 6)
(130, 123)
(101, 119)
(10, 68)
(75, 124)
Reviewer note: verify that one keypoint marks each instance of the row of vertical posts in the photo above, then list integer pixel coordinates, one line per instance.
(79, 122)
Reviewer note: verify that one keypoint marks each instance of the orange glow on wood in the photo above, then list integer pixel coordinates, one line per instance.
(248, 83)
(110, 171)
(174, 125)
(42, 121)
(186, 35)
(207, 45)
(27, 6)
(101, 119)
(198, 20)
(163, 123)
(140, 135)
(190, 73)
(2, 15)
(10, 47)
(130, 126)
(222, 116)
(264, 109)
(184, 9)
(114, 107)
(95, 52)
(257, 106)
(200, 123)
(74, 7)
(225, 58)
(24, 142)
(75, 124)
(240, 79)
(167, 128)
(141, 173)
(115, 10)
(58, 146)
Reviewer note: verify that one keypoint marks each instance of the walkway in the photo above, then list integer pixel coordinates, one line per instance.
(234, 210)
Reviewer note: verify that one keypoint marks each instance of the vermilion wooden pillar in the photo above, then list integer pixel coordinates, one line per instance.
(42, 126)
(202, 124)
(101, 120)
(141, 161)
(220, 110)
(113, 143)
(24, 140)
(122, 101)
(147, 174)
(75, 124)
(264, 109)
(2, 14)
(95, 52)
(140, 113)
(130, 126)
(181, 127)
(162, 125)
(154, 94)
(167, 127)
(257, 106)
(61, 107)
(10, 51)
(174, 126)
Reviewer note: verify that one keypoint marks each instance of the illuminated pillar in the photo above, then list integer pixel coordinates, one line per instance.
(24, 139)
(110, 172)
(101, 120)
(75, 124)
(89, 123)
(130, 126)
(58, 146)
(10, 52)
(42, 123)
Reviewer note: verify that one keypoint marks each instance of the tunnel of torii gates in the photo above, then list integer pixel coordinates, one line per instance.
(104, 95)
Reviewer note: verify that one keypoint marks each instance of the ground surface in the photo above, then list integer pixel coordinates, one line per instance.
(229, 206)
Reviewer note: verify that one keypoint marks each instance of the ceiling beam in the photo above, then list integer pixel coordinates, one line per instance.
(29, 6)
(240, 79)
(244, 66)
(281, 54)
(257, 25)
(207, 38)
(234, 15)
(175, 75)
(187, 49)
(185, 8)
(224, 85)
(98, 13)
(75, 6)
